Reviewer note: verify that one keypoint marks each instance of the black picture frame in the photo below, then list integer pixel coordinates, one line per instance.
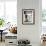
(28, 16)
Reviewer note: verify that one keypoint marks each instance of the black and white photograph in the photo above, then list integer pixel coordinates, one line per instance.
(28, 16)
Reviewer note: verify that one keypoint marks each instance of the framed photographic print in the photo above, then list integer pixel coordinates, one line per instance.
(28, 16)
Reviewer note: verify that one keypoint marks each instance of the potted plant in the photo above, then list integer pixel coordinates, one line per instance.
(1, 22)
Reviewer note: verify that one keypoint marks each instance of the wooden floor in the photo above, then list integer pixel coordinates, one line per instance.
(2, 43)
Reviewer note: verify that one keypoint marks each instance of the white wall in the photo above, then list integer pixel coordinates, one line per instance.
(30, 32)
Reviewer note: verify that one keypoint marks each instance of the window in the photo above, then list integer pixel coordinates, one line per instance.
(8, 11)
(43, 12)
(1, 9)
(11, 11)
(43, 16)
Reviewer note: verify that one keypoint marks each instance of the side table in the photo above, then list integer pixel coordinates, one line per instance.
(1, 34)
